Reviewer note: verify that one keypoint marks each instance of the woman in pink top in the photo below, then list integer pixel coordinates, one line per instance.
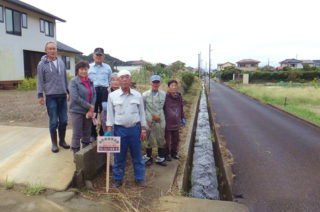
(82, 101)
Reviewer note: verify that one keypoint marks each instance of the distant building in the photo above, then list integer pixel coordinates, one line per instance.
(223, 66)
(24, 31)
(292, 63)
(133, 65)
(248, 64)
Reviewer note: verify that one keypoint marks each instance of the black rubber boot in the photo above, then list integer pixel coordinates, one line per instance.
(161, 160)
(148, 157)
(54, 147)
(62, 142)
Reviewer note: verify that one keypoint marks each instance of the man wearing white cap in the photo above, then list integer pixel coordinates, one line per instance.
(126, 114)
(154, 101)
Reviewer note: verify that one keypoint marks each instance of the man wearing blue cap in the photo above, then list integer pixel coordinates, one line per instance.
(154, 101)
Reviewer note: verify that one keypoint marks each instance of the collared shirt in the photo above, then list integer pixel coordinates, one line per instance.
(125, 109)
(154, 105)
(100, 74)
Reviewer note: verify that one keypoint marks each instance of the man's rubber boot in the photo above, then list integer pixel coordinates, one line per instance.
(54, 147)
(148, 157)
(161, 160)
(62, 142)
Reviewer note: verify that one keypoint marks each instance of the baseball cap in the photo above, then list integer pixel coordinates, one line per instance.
(124, 72)
(155, 78)
(98, 51)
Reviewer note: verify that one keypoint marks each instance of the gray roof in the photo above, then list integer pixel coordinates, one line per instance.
(34, 9)
(291, 61)
(64, 48)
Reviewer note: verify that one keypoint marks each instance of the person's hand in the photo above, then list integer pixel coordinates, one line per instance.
(108, 133)
(68, 97)
(41, 101)
(91, 109)
(143, 135)
(183, 122)
(104, 106)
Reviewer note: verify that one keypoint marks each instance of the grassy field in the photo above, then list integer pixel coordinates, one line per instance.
(302, 101)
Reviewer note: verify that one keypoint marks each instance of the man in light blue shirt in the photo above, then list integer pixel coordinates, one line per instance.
(100, 74)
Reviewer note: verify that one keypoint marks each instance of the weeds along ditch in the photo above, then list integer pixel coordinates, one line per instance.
(206, 175)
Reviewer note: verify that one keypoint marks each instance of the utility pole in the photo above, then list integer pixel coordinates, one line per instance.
(209, 64)
(199, 61)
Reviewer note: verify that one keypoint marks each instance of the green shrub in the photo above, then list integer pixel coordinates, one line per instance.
(28, 84)
(187, 79)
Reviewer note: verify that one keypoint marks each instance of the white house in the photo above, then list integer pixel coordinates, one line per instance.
(24, 31)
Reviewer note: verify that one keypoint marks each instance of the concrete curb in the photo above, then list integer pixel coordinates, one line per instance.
(225, 174)
(279, 109)
(183, 181)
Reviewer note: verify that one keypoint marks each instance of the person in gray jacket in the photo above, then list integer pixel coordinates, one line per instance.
(83, 98)
(53, 81)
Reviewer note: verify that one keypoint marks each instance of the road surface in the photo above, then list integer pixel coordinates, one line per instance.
(276, 157)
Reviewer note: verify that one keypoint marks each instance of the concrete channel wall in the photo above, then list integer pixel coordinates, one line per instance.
(204, 183)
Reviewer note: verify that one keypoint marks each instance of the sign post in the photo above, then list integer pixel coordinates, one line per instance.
(107, 144)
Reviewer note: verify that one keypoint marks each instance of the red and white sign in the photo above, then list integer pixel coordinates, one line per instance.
(108, 144)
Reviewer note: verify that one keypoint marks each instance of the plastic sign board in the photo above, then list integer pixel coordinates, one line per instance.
(108, 144)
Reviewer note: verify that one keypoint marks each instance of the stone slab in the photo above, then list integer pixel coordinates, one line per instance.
(26, 158)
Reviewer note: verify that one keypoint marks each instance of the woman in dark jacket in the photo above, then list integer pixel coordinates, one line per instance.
(82, 101)
(173, 112)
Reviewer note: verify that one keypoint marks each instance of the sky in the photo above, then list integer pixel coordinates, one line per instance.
(169, 30)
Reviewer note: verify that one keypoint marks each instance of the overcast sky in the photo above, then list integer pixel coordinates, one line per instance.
(169, 30)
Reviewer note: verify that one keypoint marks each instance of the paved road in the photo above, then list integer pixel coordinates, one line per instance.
(277, 157)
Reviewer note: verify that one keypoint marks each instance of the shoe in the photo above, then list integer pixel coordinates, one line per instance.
(117, 183)
(168, 158)
(54, 147)
(147, 160)
(141, 183)
(62, 142)
(84, 144)
(175, 157)
(161, 161)
(75, 150)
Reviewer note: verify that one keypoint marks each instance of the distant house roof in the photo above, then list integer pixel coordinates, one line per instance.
(221, 64)
(137, 62)
(34, 9)
(65, 48)
(248, 61)
(290, 61)
(308, 61)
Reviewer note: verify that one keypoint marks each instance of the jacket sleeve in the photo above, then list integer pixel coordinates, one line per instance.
(40, 80)
(65, 77)
(142, 113)
(110, 113)
(182, 113)
(75, 96)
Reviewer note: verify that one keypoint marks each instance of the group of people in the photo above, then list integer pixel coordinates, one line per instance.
(154, 116)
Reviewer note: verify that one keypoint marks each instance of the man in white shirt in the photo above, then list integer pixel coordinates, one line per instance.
(126, 114)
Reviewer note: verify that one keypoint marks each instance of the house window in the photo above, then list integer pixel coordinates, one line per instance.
(1, 13)
(24, 20)
(41, 25)
(47, 28)
(66, 60)
(13, 22)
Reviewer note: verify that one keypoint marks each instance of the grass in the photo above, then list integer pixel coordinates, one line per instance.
(9, 184)
(296, 100)
(34, 189)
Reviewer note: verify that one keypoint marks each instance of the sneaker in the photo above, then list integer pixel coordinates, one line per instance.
(168, 158)
(141, 183)
(175, 157)
(161, 161)
(147, 160)
(117, 183)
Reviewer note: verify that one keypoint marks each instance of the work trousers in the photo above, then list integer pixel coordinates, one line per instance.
(57, 112)
(101, 96)
(130, 138)
(155, 133)
(172, 141)
(81, 128)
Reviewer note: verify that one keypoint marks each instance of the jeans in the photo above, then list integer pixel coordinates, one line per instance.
(130, 138)
(57, 111)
